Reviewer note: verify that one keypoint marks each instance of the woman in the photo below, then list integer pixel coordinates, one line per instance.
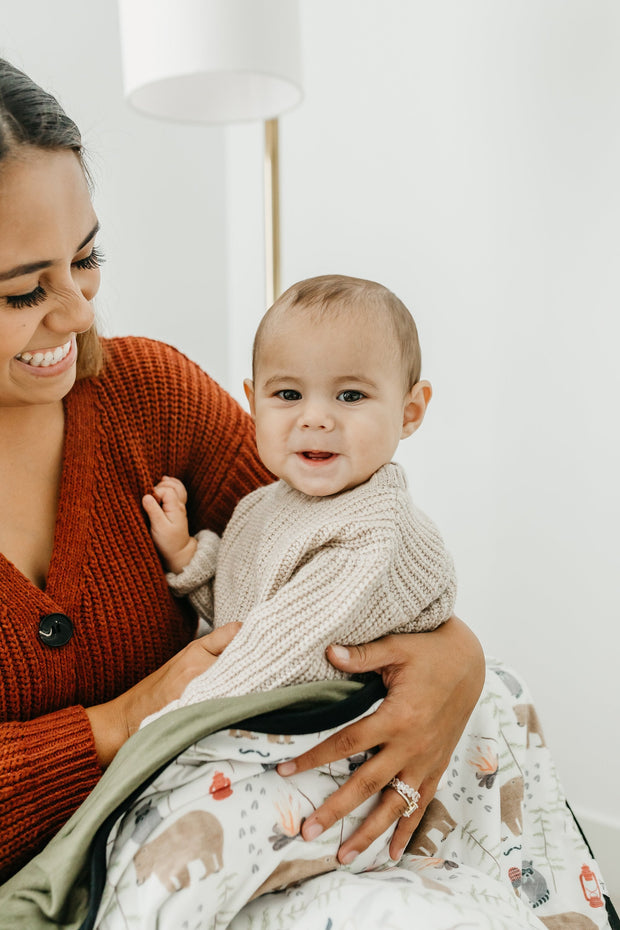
(93, 640)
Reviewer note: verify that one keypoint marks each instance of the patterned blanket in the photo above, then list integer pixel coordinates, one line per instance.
(210, 838)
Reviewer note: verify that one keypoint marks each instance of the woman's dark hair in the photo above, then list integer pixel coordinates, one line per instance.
(30, 116)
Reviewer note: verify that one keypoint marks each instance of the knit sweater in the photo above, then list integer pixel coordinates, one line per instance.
(303, 572)
(151, 412)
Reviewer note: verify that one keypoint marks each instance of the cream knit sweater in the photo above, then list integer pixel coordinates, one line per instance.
(303, 572)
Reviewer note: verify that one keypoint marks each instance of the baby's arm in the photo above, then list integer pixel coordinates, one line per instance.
(439, 610)
(190, 560)
(282, 641)
(423, 580)
(389, 575)
(165, 508)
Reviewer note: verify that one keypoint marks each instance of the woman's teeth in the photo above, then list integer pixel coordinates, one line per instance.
(44, 359)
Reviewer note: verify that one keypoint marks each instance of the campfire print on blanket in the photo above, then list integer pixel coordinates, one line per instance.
(496, 848)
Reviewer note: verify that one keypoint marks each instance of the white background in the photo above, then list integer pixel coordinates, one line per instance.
(467, 155)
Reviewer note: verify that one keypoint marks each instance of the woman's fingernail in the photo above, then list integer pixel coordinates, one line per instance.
(348, 858)
(340, 653)
(287, 768)
(315, 829)
(398, 855)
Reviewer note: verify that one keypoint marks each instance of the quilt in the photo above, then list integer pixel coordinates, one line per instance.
(210, 837)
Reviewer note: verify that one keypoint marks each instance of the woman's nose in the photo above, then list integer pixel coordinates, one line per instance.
(70, 311)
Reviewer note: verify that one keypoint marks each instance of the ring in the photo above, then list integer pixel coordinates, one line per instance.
(409, 794)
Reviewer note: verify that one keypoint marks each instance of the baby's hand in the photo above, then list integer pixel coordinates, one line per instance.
(165, 508)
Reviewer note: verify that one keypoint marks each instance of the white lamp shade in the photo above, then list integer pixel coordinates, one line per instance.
(211, 61)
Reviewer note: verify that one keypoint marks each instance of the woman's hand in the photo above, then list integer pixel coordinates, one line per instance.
(433, 681)
(114, 722)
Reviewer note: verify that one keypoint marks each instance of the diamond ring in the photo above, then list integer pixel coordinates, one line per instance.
(409, 794)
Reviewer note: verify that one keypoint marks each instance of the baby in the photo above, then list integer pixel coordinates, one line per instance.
(335, 551)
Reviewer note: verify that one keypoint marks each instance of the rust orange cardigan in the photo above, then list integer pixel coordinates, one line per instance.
(152, 412)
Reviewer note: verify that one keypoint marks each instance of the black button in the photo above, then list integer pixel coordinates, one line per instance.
(55, 630)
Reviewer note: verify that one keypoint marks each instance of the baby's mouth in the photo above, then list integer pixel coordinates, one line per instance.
(315, 456)
(45, 357)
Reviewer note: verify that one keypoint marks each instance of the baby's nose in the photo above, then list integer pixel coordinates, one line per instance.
(316, 416)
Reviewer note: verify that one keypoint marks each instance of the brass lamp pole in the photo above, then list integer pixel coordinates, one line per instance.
(272, 212)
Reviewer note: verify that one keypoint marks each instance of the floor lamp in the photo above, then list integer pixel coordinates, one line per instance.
(218, 61)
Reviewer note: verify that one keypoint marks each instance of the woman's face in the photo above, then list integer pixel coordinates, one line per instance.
(49, 274)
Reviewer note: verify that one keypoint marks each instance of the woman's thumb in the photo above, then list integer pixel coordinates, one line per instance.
(349, 658)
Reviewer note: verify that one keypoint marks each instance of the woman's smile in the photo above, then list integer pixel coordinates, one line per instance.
(44, 357)
(49, 361)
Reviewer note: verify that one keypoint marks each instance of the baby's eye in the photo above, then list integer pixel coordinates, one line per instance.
(289, 394)
(350, 397)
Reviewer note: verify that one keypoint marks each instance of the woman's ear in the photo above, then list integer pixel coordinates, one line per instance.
(416, 402)
(248, 387)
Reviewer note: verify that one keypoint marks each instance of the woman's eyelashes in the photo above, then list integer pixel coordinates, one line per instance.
(19, 301)
(94, 260)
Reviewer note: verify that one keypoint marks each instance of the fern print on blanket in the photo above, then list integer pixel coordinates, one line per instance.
(214, 841)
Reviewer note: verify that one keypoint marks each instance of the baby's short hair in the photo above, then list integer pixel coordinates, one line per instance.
(331, 293)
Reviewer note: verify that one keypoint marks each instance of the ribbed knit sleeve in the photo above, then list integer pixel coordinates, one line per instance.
(192, 428)
(35, 766)
(200, 433)
(340, 596)
(196, 579)
(284, 640)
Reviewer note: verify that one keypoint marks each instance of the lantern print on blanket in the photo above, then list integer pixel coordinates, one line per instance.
(219, 829)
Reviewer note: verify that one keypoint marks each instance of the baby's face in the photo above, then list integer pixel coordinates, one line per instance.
(328, 401)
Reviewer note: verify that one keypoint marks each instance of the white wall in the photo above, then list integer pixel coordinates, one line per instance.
(466, 155)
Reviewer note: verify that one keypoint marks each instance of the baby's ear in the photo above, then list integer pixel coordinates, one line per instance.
(248, 387)
(416, 402)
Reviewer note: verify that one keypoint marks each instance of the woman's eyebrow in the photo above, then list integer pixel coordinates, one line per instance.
(20, 270)
(29, 267)
(90, 236)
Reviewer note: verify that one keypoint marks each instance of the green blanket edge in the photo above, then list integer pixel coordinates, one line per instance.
(52, 889)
